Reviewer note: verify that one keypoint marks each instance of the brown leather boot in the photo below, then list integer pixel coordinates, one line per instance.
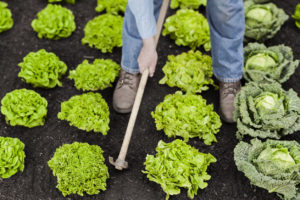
(125, 91)
(228, 91)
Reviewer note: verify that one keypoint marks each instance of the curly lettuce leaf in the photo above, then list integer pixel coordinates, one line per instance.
(263, 21)
(296, 16)
(272, 165)
(192, 72)
(87, 112)
(188, 28)
(6, 20)
(79, 168)
(266, 111)
(111, 6)
(12, 156)
(178, 165)
(104, 32)
(96, 76)
(269, 64)
(42, 69)
(193, 4)
(54, 22)
(24, 107)
(187, 116)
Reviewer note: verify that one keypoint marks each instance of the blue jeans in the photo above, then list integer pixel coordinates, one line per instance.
(227, 23)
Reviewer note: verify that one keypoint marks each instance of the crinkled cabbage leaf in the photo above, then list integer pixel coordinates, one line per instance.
(6, 20)
(266, 111)
(24, 107)
(54, 22)
(188, 28)
(178, 165)
(96, 76)
(87, 112)
(268, 64)
(79, 168)
(104, 32)
(192, 72)
(272, 165)
(263, 21)
(12, 156)
(42, 69)
(187, 116)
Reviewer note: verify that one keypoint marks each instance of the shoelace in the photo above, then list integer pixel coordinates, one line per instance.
(126, 79)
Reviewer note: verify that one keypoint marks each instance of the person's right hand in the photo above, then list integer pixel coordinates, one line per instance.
(148, 56)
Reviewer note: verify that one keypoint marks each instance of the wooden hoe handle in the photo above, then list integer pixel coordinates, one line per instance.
(120, 163)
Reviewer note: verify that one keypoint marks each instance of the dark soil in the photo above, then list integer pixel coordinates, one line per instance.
(37, 181)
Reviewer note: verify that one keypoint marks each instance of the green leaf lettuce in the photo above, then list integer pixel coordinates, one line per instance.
(188, 28)
(42, 69)
(111, 6)
(87, 112)
(6, 21)
(54, 22)
(12, 156)
(193, 4)
(96, 76)
(178, 165)
(104, 32)
(24, 107)
(192, 72)
(187, 116)
(79, 168)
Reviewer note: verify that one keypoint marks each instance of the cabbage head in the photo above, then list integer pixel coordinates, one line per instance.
(54, 22)
(193, 4)
(191, 72)
(24, 107)
(188, 28)
(111, 6)
(296, 16)
(87, 112)
(104, 32)
(79, 168)
(177, 165)
(266, 111)
(6, 20)
(12, 156)
(268, 64)
(187, 116)
(272, 165)
(96, 76)
(263, 21)
(42, 69)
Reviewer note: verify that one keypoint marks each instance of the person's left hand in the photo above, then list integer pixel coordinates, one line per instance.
(148, 56)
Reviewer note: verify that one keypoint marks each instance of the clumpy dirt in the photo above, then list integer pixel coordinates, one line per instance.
(37, 181)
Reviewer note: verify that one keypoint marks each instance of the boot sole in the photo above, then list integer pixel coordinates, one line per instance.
(122, 111)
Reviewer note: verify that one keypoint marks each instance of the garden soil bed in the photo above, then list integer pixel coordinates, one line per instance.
(37, 181)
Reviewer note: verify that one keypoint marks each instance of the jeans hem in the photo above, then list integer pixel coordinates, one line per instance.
(130, 70)
(228, 80)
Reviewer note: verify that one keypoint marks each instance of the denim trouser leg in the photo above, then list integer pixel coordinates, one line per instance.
(227, 24)
(132, 41)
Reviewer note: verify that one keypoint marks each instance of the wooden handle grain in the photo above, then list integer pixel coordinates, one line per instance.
(142, 85)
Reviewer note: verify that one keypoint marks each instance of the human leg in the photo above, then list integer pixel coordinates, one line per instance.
(227, 24)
